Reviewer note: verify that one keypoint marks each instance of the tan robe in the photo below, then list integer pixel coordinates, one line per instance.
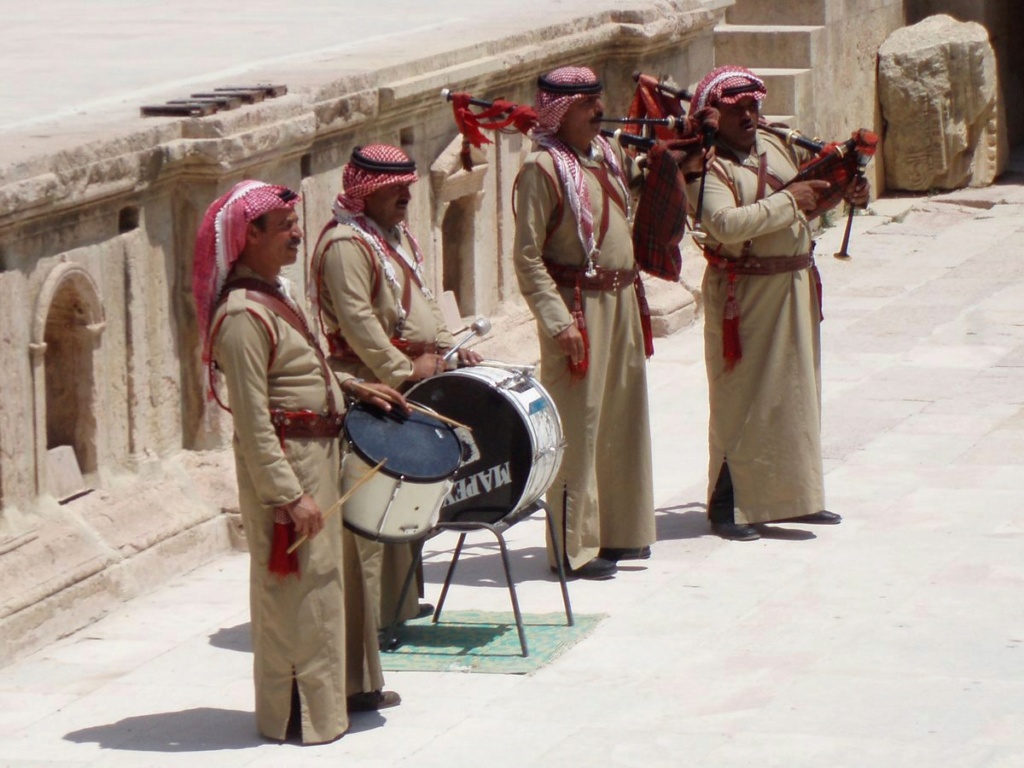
(314, 626)
(606, 473)
(357, 299)
(765, 413)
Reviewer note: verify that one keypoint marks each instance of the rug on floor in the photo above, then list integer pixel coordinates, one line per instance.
(481, 641)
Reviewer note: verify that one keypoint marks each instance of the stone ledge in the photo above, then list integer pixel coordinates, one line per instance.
(90, 599)
(89, 555)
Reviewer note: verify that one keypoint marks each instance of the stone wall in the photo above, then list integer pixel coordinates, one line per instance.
(98, 346)
(818, 59)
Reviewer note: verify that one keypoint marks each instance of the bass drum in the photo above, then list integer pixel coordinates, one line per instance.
(514, 448)
(402, 501)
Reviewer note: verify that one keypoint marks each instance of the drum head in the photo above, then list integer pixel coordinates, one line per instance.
(489, 484)
(417, 447)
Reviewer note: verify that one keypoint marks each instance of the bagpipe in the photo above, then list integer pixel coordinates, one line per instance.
(838, 163)
(666, 140)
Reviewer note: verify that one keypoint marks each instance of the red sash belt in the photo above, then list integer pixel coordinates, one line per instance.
(567, 276)
(759, 265)
(304, 423)
(601, 279)
(732, 351)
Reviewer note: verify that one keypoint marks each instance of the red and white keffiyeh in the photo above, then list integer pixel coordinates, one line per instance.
(221, 239)
(556, 92)
(727, 85)
(371, 168)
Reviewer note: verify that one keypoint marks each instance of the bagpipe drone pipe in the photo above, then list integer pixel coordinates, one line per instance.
(659, 222)
(837, 163)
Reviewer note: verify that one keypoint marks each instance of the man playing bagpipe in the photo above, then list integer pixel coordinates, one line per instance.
(578, 251)
(762, 303)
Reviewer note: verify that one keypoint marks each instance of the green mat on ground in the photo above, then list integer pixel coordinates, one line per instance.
(480, 641)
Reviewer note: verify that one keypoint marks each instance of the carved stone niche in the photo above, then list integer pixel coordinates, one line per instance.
(67, 324)
(467, 241)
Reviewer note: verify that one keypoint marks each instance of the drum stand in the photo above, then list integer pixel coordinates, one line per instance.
(498, 529)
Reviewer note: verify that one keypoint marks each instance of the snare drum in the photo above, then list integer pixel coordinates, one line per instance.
(401, 502)
(514, 449)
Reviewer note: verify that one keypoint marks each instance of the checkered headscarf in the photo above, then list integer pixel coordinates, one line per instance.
(557, 91)
(371, 168)
(727, 85)
(221, 239)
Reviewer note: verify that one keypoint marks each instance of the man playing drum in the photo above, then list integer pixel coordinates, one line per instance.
(380, 318)
(315, 654)
(762, 315)
(573, 256)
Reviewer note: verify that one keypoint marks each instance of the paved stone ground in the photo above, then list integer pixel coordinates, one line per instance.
(894, 639)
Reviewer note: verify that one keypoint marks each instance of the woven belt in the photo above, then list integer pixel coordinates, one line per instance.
(759, 265)
(601, 280)
(290, 424)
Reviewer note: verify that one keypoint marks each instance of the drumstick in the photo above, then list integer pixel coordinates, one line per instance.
(412, 406)
(337, 505)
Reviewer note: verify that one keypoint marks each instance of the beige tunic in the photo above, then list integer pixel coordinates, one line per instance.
(606, 473)
(356, 298)
(302, 625)
(765, 413)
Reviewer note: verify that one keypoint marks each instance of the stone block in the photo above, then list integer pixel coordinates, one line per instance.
(810, 12)
(673, 306)
(939, 93)
(790, 91)
(769, 45)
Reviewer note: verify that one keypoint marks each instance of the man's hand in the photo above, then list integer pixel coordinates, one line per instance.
(426, 365)
(379, 395)
(805, 193)
(469, 356)
(306, 515)
(695, 161)
(858, 191)
(570, 341)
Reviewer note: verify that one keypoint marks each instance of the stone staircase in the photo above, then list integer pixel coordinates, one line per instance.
(782, 41)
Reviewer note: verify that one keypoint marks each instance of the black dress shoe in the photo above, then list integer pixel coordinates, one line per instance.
(629, 553)
(735, 531)
(371, 701)
(596, 570)
(425, 609)
(817, 518)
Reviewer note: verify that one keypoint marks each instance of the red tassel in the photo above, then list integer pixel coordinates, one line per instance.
(578, 370)
(731, 350)
(281, 563)
(466, 156)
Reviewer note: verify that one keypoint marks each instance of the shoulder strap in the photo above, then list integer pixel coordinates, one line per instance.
(213, 363)
(556, 217)
(265, 294)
